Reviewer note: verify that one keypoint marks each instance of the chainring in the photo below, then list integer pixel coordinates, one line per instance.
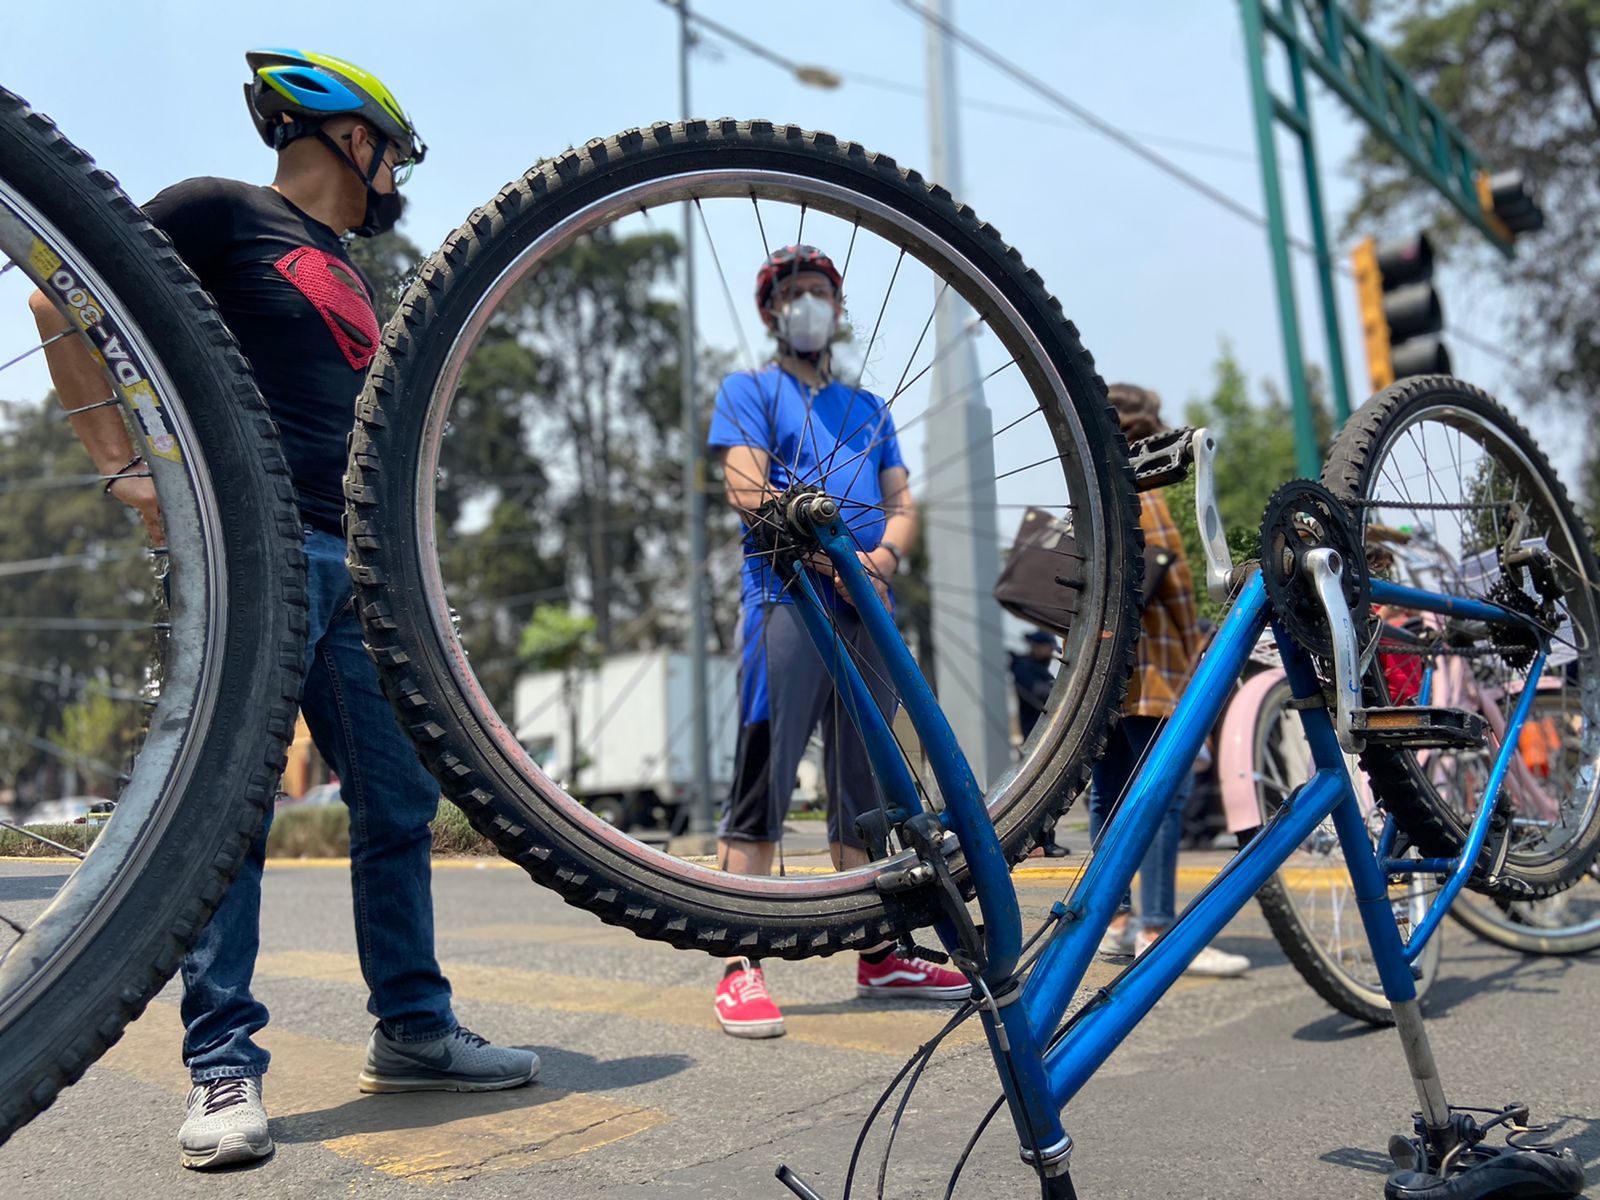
(1302, 516)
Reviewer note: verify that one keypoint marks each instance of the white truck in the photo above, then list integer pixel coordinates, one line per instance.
(631, 720)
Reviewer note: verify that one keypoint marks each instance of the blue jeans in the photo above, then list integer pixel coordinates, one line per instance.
(1158, 872)
(391, 798)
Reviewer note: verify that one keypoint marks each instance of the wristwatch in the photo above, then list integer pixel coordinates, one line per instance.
(899, 560)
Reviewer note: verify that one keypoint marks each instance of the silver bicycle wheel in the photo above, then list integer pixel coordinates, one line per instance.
(560, 293)
(146, 694)
(1569, 921)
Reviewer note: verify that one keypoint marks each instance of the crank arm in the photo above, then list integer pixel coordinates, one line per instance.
(1327, 568)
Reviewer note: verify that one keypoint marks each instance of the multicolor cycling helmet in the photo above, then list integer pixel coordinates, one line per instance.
(792, 260)
(311, 88)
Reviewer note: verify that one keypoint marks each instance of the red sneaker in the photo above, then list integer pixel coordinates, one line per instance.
(743, 1006)
(910, 979)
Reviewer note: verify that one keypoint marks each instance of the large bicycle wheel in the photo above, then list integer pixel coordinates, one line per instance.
(158, 685)
(556, 291)
(1567, 922)
(1310, 903)
(1441, 458)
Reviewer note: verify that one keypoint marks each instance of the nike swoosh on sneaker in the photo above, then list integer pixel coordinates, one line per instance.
(438, 1060)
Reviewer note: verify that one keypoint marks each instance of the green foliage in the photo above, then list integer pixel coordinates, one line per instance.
(1519, 77)
(323, 831)
(96, 728)
(20, 845)
(555, 639)
(562, 473)
(317, 831)
(454, 834)
(390, 261)
(311, 831)
(72, 646)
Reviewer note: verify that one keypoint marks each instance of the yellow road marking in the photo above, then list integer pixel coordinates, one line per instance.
(845, 1025)
(426, 1137)
(842, 1025)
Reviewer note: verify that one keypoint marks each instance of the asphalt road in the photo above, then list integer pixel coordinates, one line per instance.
(1242, 1089)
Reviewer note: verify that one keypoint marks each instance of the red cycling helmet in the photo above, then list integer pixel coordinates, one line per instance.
(792, 260)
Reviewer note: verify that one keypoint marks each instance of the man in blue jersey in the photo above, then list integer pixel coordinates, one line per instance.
(792, 422)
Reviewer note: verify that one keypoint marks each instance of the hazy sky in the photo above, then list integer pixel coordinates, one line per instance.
(1155, 276)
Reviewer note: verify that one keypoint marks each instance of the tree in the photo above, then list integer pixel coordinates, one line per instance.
(390, 262)
(556, 639)
(561, 475)
(74, 614)
(603, 343)
(1519, 77)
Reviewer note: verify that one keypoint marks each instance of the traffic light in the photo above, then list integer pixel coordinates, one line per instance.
(1400, 312)
(1508, 202)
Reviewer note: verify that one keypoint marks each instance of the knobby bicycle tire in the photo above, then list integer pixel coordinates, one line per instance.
(1399, 782)
(424, 672)
(1525, 938)
(118, 928)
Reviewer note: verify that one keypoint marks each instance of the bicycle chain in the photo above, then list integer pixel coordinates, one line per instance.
(1428, 506)
(1439, 651)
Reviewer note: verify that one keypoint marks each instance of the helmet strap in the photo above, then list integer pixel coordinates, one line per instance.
(380, 148)
(285, 132)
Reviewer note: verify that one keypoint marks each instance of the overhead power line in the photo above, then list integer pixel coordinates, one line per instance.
(1133, 144)
(1083, 116)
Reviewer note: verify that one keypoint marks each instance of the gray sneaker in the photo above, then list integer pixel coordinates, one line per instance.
(226, 1125)
(461, 1061)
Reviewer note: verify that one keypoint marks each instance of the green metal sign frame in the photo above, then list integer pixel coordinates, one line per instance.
(1360, 72)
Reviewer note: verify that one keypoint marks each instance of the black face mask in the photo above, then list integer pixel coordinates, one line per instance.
(383, 208)
(383, 213)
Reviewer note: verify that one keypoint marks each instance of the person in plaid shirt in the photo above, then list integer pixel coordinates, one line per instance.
(1168, 647)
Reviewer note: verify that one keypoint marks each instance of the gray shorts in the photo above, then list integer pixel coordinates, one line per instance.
(787, 693)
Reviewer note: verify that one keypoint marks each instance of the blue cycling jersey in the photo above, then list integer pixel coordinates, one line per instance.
(837, 436)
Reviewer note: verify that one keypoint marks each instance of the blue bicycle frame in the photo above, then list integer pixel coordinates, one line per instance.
(1044, 1064)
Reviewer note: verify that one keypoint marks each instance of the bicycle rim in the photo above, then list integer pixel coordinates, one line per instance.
(747, 190)
(1442, 462)
(1567, 922)
(115, 660)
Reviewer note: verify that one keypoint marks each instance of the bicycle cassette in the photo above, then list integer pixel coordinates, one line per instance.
(1300, 517)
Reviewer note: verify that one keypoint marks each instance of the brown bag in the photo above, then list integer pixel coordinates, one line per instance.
(1043, 574)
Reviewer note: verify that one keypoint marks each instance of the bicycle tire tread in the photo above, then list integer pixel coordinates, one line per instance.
(1307, 960)
(1417, 811)
(21, 1101)
(685, 921)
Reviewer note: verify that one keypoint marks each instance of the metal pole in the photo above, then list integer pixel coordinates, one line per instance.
(968, 650)
(702, 816)
(1337, 383)
(1307, 459)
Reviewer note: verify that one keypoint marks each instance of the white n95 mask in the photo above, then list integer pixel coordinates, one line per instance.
(807, 324)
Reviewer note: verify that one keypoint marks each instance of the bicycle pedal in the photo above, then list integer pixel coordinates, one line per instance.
(1419, 728)
(1487, 1174)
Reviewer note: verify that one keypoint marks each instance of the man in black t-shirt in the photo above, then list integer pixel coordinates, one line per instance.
(274, 260)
